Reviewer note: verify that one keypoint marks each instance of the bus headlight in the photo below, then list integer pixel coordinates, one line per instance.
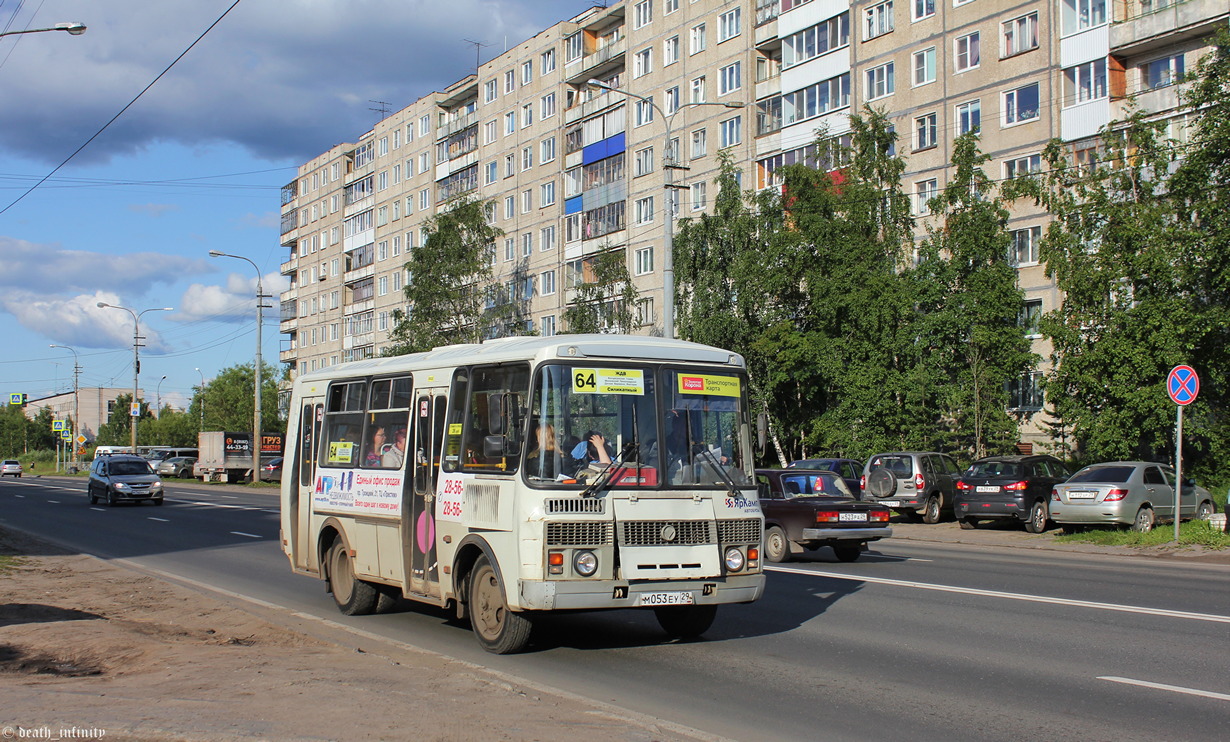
(585, 563)
(734, 559)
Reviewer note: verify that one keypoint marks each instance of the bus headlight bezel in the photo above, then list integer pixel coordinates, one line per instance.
(585, 563)
(734, 559)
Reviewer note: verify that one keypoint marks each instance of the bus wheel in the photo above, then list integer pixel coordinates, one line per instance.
(685, 621)
(499, 630)
(353, 596)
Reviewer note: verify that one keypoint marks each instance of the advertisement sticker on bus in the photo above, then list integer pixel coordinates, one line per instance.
(710, 384)
(450, 497)
(340, 452)
(743, 505)
(358, 491)
(608, 381)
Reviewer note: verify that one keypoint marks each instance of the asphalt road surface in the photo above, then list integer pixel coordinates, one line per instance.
(918, 640)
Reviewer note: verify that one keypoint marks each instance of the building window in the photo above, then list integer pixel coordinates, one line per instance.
(816, 100)
(729, 24)
(510, 81)
(527, 72)
(548, 326)
(527, 244)
(924, 191)
(731, 131)
(1025, 245)
(924, 66)
(527, 158)
(547, 239)
(546, 283)
(878, 20)
(548, 61)
(698, 90)
(527, 201)
(644, 112)
(644, 311)
(699, 198)
(967, 52)
(1021, 34)
(699, 143)
(510, 207)
(548, 193)
(548, 106)
(492, 173)
(670, 51)
(644, 260)
(510, 248)
(642, 63)
(1021, 104)
(574, 47)
(548, 149)
(969, 116)
(696, 39)
(644, 210)
(642, 14)
(1031, 315)
(669, 6)
(1085, 82)
(812, 42)
(1078, 15)
(925, 131)
(510, 122)
(527, 115)
(1161, 72)
(730, 78)
(1021, 166)
(671, 100)
(923, 9)
(1025, 393)
(880, 81)
(643, 162)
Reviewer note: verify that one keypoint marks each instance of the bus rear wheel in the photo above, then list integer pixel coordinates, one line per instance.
(353, 596)
(499, 630)
(685, 621)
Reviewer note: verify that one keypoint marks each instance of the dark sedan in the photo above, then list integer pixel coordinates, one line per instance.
(811, 508)
(1008, 488)
(849, 469)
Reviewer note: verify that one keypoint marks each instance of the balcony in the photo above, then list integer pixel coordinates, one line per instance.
(289, 325)
(1153, 27)
(290, 267)
(288, 356)
(290, 220)
(600, 61)
(458, 124)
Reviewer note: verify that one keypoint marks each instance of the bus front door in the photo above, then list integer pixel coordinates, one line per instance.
(303, 482)
(424, 569)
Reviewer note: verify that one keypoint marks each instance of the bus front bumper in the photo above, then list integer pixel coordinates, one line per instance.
(543, 595)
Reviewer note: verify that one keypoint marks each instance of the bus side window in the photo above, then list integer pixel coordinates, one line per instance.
(492, 424)
(342, 440)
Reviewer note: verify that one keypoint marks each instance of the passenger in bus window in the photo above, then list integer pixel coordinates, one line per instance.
(593, 449)
(397, 453)
(542, 462)
(376, 451)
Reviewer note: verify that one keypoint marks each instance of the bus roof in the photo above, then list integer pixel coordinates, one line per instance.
(575, 347)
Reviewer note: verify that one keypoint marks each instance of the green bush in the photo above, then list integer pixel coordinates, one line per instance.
(1191, 533)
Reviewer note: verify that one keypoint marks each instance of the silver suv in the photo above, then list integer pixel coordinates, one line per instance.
(920, 485)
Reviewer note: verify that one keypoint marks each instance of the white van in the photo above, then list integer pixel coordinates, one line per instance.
(109, 450)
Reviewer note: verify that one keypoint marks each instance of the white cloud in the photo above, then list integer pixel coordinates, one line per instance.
(233, 302)
(78, 320)
(49, 269)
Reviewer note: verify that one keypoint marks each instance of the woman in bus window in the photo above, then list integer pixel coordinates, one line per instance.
(376, 450)
(542, 461)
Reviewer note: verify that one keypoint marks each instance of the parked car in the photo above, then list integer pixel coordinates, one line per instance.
(272, 470)
(123, 478)
(1134, 493)
(914, 483)
(849, 469)
(1008, 487)
(812, 508)
(10, 468)
(179, 467)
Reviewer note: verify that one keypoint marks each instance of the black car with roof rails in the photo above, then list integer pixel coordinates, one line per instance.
(850, 470)
(1014, 488)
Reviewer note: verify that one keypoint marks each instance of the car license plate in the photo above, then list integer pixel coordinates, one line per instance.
(682, 598)
(987, 488)
(861, 517)
(1081, 495)
(890, 503)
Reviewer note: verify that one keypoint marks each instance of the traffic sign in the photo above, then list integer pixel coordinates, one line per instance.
(1183, 385)
(57, 425)
(134, 409)
(81, 440)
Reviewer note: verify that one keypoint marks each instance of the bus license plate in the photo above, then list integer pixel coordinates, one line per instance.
(665, 599)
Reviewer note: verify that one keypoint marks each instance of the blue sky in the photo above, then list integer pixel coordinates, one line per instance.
(196, 164)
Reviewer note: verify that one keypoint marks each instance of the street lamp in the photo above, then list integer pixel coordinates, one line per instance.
(202, 397)
(74, 28)
(158, 394)
(668, 169)
(136, 358)
(256, 410)
(76, 401)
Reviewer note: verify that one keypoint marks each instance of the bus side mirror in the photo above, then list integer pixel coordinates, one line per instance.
(495, 413)
(762, 432)
(498, 446)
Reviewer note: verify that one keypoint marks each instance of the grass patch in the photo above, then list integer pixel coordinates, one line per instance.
(1191, 533)
(8, 563)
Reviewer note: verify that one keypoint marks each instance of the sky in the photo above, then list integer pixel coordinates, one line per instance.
(195, 164)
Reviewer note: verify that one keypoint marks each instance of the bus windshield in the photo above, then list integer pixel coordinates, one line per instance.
(661, 427)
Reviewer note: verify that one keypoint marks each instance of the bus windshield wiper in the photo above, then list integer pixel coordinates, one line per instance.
(601, 482)
(708, 457)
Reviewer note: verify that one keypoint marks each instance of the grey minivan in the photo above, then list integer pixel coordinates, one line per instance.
(123, 477)
(918, 484)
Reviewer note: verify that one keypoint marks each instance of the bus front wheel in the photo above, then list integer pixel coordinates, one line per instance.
(353, 596)
(499, 629)
(685, 621)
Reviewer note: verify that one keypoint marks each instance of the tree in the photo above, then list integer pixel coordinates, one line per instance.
(605, 303)
(229, 397)
(447, 295)
(969, 310)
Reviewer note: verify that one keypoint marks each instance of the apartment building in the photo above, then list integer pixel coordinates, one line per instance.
(589, 136)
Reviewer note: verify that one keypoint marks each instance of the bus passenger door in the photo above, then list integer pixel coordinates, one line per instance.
(429, 409)
(304, 480)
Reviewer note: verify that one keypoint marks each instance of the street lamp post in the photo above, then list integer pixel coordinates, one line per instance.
(668, 169)
(74, 28)
(76, 401)
(158, 394)
(202, 397)
(136, 357)
(256, 410)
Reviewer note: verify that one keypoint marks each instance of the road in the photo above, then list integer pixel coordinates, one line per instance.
(916, 639)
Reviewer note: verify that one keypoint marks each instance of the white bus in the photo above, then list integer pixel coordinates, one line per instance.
(524, 475)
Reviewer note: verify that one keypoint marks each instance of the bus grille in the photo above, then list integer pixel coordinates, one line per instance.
(579, 534)
(576, 505)
(667, 532)
(741, 531)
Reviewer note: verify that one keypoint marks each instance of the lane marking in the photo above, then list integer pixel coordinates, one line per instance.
(1211, 617)
(1163, 686)
(249, 535)
(54, 502)
(101, 510)
(162, 520)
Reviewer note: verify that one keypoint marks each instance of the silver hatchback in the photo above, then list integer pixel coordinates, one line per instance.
(123, 478)
(1134, 493)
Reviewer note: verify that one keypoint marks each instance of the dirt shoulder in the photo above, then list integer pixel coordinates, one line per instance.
(92, 650)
